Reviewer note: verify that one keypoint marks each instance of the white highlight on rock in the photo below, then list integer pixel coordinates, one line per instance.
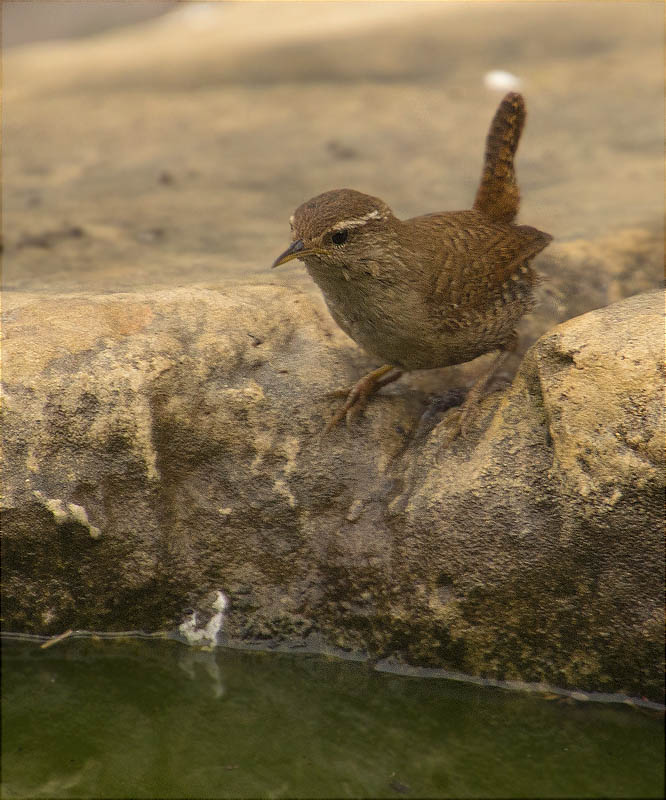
(355, 222)
(73, 513)
(78, 514)
(501, 80)
(205, 636)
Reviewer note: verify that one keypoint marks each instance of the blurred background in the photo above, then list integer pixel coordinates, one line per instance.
(156, 143)
(25, 21)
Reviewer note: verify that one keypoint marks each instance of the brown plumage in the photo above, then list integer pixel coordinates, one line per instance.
(431, 291)
(498, 196)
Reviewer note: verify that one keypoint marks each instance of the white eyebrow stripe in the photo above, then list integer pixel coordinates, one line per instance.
(355, 222)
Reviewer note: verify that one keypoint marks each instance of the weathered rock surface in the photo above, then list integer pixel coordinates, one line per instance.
(549, 534)
(162, 446)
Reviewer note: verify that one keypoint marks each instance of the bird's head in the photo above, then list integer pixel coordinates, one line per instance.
(337, 229)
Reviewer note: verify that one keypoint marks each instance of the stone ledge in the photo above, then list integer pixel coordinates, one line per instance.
(183, 427)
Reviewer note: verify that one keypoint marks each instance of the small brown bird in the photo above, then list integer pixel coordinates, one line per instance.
(430, 291)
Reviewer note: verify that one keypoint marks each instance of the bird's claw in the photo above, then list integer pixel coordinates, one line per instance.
(357, 397)
(357, 400)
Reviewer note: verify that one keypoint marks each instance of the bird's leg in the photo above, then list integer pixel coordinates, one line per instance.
(461, 425)
(361, 392)
(470, 406)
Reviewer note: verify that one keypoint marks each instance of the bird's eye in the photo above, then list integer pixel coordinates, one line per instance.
(340, 237)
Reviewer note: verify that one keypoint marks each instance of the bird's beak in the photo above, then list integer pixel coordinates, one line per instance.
(295, 250)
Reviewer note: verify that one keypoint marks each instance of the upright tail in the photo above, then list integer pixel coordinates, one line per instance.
(498, 195)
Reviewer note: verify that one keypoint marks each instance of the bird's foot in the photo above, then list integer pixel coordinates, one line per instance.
(360, 393)
(461, 422)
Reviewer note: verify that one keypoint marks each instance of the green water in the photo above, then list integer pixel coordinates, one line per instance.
(139, 718)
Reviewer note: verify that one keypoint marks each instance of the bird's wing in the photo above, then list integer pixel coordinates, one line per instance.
(479, 260)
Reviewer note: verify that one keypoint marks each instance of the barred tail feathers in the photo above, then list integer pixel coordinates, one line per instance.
(498, 196)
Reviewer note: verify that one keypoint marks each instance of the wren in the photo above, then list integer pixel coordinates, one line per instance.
(431, 291)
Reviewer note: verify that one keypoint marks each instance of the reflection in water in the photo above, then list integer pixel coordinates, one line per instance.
(198, 664)
(71, 784)
(132, 718)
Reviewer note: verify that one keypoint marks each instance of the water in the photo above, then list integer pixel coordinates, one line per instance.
(137, 718)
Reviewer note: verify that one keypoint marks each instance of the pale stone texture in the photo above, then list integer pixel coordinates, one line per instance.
(550, 531)
(182, 430)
